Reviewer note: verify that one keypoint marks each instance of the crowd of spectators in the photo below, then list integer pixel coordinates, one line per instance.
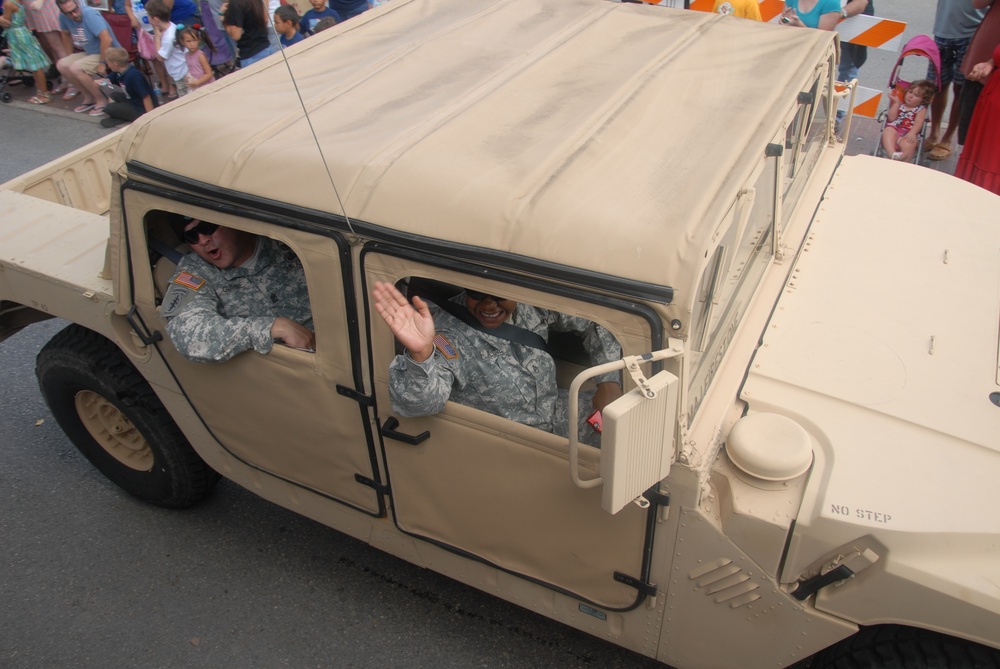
(120, 62)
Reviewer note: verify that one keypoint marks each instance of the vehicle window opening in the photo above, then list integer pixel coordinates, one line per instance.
(508, 377)
(169, 240)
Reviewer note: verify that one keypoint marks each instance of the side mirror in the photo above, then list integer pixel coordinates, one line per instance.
(637, 444)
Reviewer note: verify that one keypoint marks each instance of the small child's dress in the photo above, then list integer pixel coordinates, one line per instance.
(195, 70)
(904, 121)
(25, 52)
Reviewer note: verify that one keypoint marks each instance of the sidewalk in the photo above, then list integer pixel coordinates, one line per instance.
(57, 107)
(866, 134)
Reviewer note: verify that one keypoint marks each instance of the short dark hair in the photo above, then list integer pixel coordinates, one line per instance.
(324, 23)
(288, 13)
(158, 9)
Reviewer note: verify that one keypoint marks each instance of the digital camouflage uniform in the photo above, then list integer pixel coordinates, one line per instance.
(495, 375)
(213, 314)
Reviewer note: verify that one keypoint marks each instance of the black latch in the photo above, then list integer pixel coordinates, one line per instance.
(146, 337)
(773, 150)
(631, 581)
(389, 430)
(375, 485)
(351, 393)
(808, 587)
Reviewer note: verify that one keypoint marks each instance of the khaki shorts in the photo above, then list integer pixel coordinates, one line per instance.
(88, 62)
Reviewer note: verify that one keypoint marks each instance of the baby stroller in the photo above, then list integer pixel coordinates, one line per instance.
(921, 46)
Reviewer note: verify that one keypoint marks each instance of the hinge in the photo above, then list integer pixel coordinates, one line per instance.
(351, 393)
(375, 485)
(641, 586)
(657, 497)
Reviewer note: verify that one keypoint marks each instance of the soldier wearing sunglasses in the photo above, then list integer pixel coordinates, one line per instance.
(462, 357)
(235, 291)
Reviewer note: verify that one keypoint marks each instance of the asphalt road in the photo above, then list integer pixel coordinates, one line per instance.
(90, 577)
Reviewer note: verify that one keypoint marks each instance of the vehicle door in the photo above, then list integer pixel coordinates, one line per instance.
(282, 412)
(497, 490)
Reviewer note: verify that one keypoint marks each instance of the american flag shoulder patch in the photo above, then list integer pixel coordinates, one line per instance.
(442, 344)
(189, 280)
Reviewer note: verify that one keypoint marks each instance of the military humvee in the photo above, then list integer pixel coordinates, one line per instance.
(803, 461)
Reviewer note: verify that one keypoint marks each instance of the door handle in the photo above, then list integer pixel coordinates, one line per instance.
(389, 430)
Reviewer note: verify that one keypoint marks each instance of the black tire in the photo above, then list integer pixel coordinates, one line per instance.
(896, 647)
(6, 97)
(114, 418)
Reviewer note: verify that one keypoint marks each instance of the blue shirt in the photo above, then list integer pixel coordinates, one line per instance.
(86, 33)
(296, 38)
(811, 18)
(182, 11)
(136, 86)
(312, 17)
(349, 8)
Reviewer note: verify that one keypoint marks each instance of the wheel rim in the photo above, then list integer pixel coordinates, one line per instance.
(113, 431)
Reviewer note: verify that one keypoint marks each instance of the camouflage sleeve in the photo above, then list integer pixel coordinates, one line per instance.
(200, 333)
(419, 388)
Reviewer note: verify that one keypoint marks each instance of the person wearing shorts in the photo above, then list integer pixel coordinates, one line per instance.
(954, 24)
(85, 29)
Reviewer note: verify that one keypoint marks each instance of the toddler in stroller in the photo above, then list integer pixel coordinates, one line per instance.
(903, 123)
(904, 126)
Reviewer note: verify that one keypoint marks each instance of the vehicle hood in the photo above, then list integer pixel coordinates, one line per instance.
(884, 347)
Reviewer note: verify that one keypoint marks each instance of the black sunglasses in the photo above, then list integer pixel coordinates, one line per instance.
(203, 228)
(477, 296)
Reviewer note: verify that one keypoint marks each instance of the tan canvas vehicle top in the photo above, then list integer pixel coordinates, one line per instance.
(569, 127)
(803, 462)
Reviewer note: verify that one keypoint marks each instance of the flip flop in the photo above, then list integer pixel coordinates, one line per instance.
(85, 107)
(939, 152)
(70, 93)
(97, 111)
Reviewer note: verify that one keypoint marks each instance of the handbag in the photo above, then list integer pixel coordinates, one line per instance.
(147, 48)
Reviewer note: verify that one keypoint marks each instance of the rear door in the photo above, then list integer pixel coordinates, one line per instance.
(285, 413)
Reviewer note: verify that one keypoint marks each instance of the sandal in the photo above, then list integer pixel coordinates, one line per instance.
(85, 107)
(939, 152)
(40, 99)
(70, 93)
(97, 111)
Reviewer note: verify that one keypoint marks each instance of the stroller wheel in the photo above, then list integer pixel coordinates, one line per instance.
(6, 97)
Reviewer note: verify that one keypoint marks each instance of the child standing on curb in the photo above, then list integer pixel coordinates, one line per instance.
(286, 24)
(199, 69)
(167, 51)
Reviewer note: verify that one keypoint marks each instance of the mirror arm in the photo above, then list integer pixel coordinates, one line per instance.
(630, 363)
